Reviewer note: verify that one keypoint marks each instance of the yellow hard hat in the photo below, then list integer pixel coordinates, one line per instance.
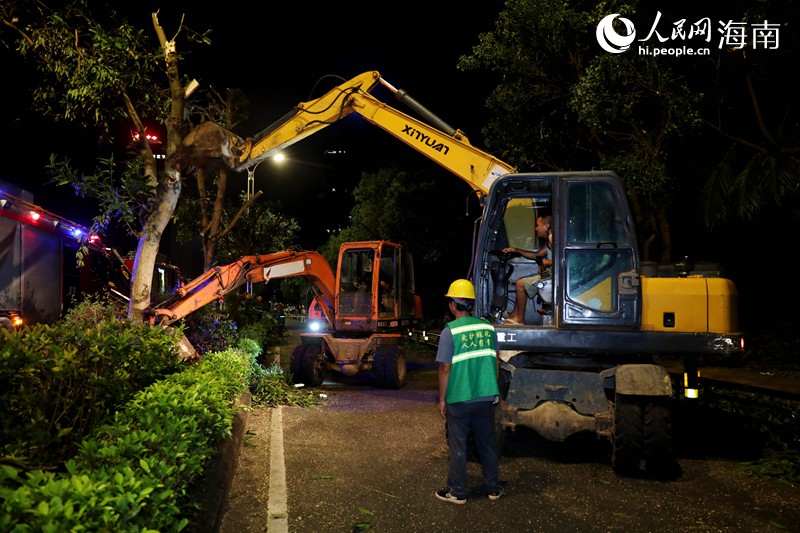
(461, 288)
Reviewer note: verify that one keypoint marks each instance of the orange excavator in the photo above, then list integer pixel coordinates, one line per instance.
(370, 301)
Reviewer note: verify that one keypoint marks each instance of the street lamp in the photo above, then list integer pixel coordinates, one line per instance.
(251, 191)
(280, 157)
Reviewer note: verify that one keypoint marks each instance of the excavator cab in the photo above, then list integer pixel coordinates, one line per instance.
(375, 287)
(374, 306)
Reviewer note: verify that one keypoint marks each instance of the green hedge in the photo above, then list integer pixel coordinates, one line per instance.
(58, 382)
(134, 474)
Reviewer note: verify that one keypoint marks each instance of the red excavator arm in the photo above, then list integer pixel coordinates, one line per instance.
(219, 281)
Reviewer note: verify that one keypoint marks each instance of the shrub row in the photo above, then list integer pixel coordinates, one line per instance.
(134, 474)
(61, 385)
(58, 382)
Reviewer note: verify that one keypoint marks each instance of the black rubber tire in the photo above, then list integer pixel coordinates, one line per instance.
(659, 458)
(307, 365)
(628, 436)
(378, 367)
(389, 368)
(6, 324)
(296, 363)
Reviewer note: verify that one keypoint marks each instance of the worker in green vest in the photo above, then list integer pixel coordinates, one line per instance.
(468, 391)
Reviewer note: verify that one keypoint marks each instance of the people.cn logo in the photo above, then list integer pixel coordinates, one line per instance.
(610, 40)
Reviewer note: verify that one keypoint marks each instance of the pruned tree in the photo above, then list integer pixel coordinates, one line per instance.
(100, 73)
(211, 181)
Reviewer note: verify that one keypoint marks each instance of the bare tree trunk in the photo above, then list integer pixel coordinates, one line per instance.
(169, 189)
(211, 228)
(211, 237)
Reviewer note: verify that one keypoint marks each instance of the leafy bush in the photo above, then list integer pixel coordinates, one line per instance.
(270, 386)
(266, 332)
(210, 330)
(250, 347)
(93, 309)
(58, 382)
(133, 475)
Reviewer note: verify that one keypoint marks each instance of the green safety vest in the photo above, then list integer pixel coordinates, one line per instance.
(473, 373)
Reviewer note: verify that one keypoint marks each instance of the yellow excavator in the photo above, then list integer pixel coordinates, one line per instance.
(589, 360)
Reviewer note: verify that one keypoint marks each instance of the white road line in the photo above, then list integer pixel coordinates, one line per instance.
(278, 513)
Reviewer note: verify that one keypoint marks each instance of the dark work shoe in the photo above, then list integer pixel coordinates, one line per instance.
(445, 496)
(496, 495)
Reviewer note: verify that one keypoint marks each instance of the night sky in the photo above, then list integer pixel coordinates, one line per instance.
(281, 54)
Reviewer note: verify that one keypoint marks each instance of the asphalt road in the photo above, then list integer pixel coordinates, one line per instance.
(370, 459)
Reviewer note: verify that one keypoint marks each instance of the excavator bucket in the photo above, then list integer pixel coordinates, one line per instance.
(188, 352)
(207, 145)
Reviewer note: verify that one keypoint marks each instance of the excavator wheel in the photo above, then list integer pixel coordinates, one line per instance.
(389, 367)
(642, 440)
(627, 441)
(306, 366)
(659, 458)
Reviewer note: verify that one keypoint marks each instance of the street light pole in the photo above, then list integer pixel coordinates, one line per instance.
(251, 191)
(251, 181)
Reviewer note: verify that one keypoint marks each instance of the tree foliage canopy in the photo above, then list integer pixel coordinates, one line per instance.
(262, 228)
(89, 68)
(561, 102)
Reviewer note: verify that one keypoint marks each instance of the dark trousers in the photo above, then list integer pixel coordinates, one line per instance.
(461, 418)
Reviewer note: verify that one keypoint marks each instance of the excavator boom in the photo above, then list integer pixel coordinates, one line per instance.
(219, 281)
(445, 145)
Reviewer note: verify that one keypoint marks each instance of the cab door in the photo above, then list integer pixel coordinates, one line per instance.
(598, 275)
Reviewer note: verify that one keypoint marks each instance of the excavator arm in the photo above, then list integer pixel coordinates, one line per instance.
(219, 281)
(443, 144)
